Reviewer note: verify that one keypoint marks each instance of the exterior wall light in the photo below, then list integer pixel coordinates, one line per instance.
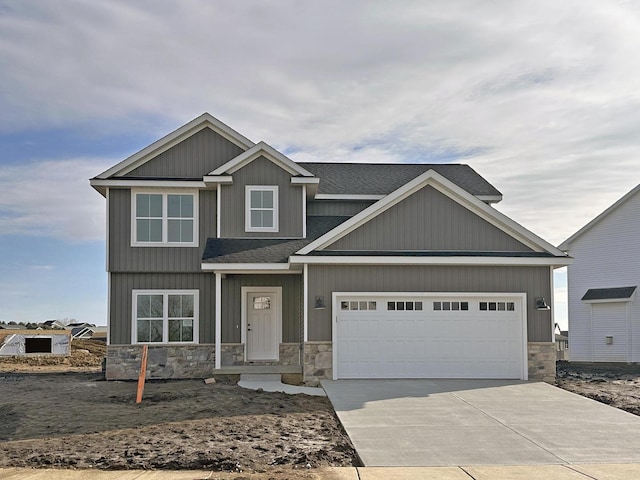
(320, 303)
(541, 304)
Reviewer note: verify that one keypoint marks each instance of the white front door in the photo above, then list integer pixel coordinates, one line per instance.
(262, 324)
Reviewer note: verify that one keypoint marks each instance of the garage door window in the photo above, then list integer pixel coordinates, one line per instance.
(451, 306)
(498, 306)
(404, 306)
(357, 305)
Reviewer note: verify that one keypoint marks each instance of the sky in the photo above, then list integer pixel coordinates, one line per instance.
(540, 97)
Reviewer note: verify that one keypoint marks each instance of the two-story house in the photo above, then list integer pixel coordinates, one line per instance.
(226, 256)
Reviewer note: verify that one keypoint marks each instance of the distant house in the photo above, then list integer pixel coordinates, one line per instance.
(604, 314)
(229, 254)
(11, 327)
(562, 344)
(96, 333)
(54, 324)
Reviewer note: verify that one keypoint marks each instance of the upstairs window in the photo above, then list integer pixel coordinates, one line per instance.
(164, 219)
(261, 209)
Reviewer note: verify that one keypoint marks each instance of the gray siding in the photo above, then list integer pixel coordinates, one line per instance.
(125, 258)
(123, 284)
(335, 207)
(534, 281)
(291, 304)
(428, 220)
(192, 158)
(261, 172)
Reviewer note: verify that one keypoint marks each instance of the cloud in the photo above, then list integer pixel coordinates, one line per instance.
(540, 97)
(52, 198)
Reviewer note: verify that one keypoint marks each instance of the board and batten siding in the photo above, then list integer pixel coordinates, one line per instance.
(261, 172)
(194, 157)
(326, 279)
(232, 301)
(338, 208)
(428, 220)
(607, 255)
(123, 284)
(125, 258)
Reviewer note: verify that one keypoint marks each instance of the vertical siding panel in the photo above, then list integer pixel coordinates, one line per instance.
(336, 208)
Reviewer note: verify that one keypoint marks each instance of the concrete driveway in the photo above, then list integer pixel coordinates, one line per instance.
(480, 422)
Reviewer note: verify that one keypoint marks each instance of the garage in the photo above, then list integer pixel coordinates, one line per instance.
(429, 336)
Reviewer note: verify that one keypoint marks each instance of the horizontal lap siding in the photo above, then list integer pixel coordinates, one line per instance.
(428, 220)
(194, 157)
(232, 298)
(261, 172)
(122, 285)
(125, 258)
(534, 281)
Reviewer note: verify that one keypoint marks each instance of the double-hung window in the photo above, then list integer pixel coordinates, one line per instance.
(169, 316)
(261, 208)
(164, 219)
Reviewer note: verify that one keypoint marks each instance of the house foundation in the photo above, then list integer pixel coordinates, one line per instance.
(541, 360)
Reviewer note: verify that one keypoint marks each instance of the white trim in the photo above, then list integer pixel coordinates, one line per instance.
(218, 320)
(165, 219)
(552, 304)
(405, 260)
(304, 211)
(344, 196)
(451, 190)
(610, 300)
(107, 230)
(247, 267)
(305, 180)
(566, 245)
(524, 371)
(305, 302)
(243, 315)
(248, 189)
(218, 179)
(148, 183)
(165, 315)
(108, 308)
(218, 211)
(258, 150)
(205, 120)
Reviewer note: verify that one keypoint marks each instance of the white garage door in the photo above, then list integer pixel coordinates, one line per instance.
(429, 337)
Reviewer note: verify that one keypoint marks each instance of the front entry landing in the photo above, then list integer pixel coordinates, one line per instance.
(262, 322)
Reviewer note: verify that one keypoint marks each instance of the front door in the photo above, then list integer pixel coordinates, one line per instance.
(262, 320)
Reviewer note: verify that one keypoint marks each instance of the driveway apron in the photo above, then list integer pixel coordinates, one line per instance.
(480, 422)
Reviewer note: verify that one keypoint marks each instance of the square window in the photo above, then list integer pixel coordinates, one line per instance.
(492, 306)
(164, 219)
(373, 306)
(399, 305)
(353, 306)
(437, 305)
(464, 305)
(363, 305)
(409, 305)
(418, 305)
(165, 317)
(391, 306)
(483, 306)
(501, 306)
(455, 305)
(446, 305)
(511, 307)
(344, 305)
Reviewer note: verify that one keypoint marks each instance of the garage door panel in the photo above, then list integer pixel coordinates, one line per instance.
(444, 338)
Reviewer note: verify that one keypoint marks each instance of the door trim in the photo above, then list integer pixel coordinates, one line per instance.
(335, 298)
(277, 291)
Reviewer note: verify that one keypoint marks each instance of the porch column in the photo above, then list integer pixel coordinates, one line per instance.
(218, 320)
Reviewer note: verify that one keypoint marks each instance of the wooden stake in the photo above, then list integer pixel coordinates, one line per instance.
(143, 373)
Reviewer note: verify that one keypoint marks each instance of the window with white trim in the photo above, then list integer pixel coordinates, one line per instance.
(164, 219)
(261, 208)
(169, 316)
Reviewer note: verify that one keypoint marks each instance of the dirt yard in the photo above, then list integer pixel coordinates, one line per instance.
(76, 419)
(615, 385)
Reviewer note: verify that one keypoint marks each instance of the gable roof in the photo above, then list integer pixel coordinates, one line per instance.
(258, 150)
(205, 120)
(450, 189)
(566, 245)
(383, 178)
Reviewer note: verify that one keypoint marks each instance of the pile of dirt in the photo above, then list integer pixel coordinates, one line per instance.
(617, 385)
(78, 420)
(86, 355)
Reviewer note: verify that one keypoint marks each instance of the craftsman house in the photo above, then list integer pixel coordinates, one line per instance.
(226, 256)
(604, 311)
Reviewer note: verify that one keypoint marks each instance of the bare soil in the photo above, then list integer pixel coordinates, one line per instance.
(617, 385)
(77, 420)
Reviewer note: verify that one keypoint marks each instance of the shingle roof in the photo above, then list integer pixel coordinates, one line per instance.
(620, 293)
(266, 250)
(384, 178)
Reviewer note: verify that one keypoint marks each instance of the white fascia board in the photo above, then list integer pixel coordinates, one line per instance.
(121, 182)
(354, 197)
(448, 188)
(403, 260)
(610, 300)
(304, 180)
(261, 149)
(566, 245)
(218, 179)
(247, 267)
(205, 120)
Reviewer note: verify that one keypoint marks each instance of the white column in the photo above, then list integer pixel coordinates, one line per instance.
(553, 308)
(305, 302)
(218, 320)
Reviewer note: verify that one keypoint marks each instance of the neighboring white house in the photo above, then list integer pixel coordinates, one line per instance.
(604, 313)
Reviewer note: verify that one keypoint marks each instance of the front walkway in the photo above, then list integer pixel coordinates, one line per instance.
(480, 422)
